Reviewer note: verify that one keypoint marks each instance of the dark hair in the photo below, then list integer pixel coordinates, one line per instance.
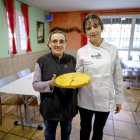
(53, 32)
(56, 31)
(95, 18)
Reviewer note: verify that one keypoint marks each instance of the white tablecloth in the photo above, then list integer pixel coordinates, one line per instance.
(22, 86)
(132, 64)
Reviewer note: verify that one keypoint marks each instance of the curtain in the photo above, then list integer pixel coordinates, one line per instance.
(9, 4)
(26, 22)
(84, 38)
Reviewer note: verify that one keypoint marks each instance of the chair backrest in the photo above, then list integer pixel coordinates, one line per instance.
(122, 65)
(24, 72)
(7, 80)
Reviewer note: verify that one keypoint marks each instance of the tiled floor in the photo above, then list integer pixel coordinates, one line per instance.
(122, 126)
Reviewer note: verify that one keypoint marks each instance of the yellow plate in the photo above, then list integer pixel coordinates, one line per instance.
(73, 80)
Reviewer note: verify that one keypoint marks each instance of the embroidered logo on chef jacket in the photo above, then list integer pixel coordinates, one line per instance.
(97, 56)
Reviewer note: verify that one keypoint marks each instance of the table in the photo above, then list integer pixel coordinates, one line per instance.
(133, 65)
(22, 86)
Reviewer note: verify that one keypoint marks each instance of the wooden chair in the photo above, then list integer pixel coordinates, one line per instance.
(10, 99)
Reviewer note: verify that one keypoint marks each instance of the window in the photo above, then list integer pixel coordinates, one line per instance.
(20, 33)
(124, 33)
(117, 31)
(136, 40)
(10, 35)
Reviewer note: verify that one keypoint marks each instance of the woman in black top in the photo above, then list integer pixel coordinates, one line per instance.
(57, 104)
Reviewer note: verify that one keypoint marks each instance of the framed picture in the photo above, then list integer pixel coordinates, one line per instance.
(40, 32)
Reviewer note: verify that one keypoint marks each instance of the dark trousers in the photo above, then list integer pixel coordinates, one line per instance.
(50, 130)
(86, 124)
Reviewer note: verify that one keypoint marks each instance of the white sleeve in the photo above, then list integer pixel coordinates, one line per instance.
(79, 63)
(118, 80)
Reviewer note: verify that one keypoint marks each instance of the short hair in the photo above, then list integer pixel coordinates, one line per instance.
(54, 32)
(57, 31)
(95, 18)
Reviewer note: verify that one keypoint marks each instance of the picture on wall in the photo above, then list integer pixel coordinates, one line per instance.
(40, 32)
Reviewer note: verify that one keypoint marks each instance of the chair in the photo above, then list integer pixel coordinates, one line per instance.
(32, 100)
(126, 72)
(10, 99)
(129, 74)
(24, 72)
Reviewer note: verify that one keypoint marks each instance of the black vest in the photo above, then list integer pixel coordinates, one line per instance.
(61, 104)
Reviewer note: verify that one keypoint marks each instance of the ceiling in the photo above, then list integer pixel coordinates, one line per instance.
(83, 5)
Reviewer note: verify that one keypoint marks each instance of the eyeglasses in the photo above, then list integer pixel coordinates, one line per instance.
(55, 42)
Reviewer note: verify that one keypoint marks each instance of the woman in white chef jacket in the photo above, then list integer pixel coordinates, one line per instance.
(100, 60)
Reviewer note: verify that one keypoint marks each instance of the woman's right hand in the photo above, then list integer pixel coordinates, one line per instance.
(52, 81)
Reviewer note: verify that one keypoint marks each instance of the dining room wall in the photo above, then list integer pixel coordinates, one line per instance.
(35, 14)
(71, 22)
(12, 64)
